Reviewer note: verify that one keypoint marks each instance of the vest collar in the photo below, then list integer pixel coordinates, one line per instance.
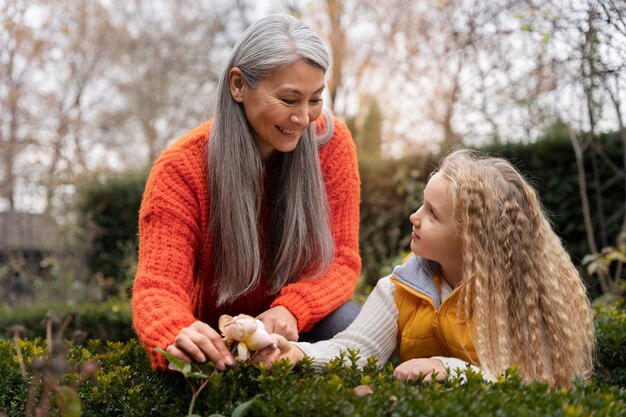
(417, 273)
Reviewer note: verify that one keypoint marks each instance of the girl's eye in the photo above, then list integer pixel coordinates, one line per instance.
(432, 214)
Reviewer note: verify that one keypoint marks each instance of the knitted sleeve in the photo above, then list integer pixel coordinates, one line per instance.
(310, 300)
(373, 332)
(169, 236)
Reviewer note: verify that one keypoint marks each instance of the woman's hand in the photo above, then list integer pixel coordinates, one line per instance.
(280, 320)
(413, 369)
(199, 342)
(281, 349)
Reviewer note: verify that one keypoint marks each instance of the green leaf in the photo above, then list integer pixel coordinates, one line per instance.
(242, 408)
(589, 258)
(186, 369)
(68, 402)
(181, 366)
(197, 375)
(613, 256)
(592, 268)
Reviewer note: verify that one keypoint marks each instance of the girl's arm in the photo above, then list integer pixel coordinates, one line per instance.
(373, 332)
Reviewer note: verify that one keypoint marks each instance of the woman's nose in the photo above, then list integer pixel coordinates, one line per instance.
(301, 117)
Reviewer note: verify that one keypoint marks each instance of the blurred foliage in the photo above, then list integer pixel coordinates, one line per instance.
(110, 320)
(390, 192)
(610, 326)
(368, 133)
(550, 166)
(108, 208)
(34, 277)
(18, 273)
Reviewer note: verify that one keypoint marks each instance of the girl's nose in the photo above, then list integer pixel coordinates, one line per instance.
(414, 218)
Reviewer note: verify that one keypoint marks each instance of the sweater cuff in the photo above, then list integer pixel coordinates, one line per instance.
(158, 361)
(298, 307)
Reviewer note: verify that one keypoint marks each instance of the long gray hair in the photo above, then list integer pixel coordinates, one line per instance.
(299, 241)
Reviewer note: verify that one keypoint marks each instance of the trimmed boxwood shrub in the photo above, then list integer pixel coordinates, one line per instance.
(124, 385)
(108, 321)
(610, 326)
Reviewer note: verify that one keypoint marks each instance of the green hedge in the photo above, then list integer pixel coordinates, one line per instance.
(391, 191)
(108, 207)
(125, 386)
(550, 164)
(107, 321)
(610, 327)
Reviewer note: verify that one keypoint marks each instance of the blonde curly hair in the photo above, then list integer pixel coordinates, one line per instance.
(526, 300)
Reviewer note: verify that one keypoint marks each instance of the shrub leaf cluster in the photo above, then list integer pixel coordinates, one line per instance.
(125, 385)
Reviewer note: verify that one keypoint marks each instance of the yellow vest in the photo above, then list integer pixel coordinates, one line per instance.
(426, 326)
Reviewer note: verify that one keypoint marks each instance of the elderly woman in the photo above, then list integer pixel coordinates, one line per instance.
(255, 211)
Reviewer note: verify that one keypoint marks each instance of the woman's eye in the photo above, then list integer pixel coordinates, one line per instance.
(288, 101)
(315, 101)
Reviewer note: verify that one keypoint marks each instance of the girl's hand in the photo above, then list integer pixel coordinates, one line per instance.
(282, 349)
(199, 342)
(280, 320)
(411, 370)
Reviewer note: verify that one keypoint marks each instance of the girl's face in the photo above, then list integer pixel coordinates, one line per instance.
(434, 234)
(282, 106)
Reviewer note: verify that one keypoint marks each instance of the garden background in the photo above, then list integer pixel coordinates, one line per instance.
(92, 92)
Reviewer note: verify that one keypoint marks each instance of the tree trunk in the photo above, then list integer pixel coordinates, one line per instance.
(337, 36)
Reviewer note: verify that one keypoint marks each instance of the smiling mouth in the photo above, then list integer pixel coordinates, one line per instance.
(286, 131)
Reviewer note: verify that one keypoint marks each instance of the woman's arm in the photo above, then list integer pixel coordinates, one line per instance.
(169, 239)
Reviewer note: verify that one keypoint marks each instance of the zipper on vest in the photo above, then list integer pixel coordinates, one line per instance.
(436, 332)
(435, 325)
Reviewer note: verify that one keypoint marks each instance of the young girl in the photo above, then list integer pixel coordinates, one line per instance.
(489, 285)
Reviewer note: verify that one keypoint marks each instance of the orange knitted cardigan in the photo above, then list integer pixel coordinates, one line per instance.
(174, 284)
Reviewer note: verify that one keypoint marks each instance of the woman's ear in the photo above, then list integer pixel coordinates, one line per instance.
(237, 84)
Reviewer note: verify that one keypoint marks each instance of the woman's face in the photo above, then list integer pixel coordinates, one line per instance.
(282, 106)
(434, 234)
